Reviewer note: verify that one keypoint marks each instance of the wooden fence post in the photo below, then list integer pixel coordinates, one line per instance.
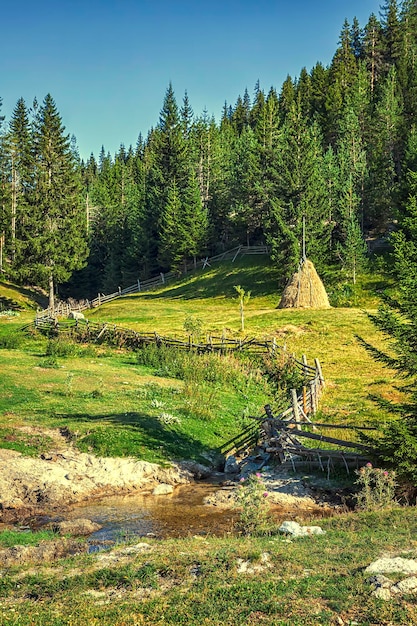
(162, 278)
(295, 408)
(138, 284)
(319, 372)
(305, 363)
(305, 400)
(313, 398)
(120, 291)
(99, 299)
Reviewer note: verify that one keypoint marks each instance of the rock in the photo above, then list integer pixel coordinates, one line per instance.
(380, 581)
(46, 551)
(408, 585)
(382, 593)
(222, 498)
(76, 527)
(162, 490)
(294, 529)
(231, 466)
(76, 315)
(394, 564)
(197, 469)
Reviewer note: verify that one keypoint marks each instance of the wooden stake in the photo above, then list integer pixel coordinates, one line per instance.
(295, 408)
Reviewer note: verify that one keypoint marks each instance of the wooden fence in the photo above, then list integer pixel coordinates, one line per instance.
(85, 330)
(63, 309)
(302, 405)
(279, 435)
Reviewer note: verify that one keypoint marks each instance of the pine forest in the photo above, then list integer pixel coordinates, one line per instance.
(335, 147)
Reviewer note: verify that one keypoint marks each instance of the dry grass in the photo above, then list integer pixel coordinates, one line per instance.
(305, 290)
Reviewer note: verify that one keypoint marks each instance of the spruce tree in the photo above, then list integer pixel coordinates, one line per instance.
(21, 160)
(397, 320)
(56, 240)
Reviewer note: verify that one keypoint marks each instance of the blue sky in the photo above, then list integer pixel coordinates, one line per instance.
(108, 63)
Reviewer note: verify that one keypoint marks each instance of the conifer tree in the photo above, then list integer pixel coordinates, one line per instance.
(351, 158)
(373, 50)
(397, 320)
(385, 153)
(56, 240)
(21, 159)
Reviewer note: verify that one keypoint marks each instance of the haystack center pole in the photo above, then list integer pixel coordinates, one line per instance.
(304, 238)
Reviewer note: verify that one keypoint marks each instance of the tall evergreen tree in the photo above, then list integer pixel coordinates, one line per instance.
(373, 50)
(21, 157)
(397, 320)
(57, 237)
(385, 153)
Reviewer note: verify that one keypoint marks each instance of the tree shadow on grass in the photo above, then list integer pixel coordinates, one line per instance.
(260, 280)
(139, 433)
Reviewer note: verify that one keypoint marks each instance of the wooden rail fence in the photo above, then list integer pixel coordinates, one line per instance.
(63, 309)
(85, 330)
(279, 435)
(302, 405)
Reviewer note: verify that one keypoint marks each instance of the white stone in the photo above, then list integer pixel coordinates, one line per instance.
(382, 593)
(162, 490)
(76, 315)
(408, 585)
(294, 529)
(394, 564)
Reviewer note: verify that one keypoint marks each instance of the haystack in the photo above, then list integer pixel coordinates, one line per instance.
(304, 290)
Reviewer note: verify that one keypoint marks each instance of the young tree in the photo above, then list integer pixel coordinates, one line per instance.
(243, 297)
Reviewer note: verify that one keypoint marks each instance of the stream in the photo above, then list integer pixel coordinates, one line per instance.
(180, 514)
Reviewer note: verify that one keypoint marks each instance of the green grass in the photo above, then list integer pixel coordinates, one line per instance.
(11, 537)
(114, 404)
(15, 298)
(197, 581)
(328, 335)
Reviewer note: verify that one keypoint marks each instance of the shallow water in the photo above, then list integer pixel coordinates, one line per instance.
(180, 514)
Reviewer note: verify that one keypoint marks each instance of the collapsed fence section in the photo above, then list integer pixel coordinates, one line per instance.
(281, 435)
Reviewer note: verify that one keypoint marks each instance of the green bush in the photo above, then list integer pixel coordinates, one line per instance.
(11, 341)
(253, 504)
(377, 488)
(61, 348)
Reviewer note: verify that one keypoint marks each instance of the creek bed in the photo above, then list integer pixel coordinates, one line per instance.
(180, 514)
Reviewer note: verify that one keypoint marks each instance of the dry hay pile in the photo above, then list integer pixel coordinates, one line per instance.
(305, 290)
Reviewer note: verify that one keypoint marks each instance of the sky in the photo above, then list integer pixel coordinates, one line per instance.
(107, 64)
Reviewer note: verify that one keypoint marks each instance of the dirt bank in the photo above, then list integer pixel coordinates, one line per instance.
(36, 486)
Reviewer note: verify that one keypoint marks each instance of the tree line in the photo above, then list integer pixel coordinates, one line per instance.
(333, 147)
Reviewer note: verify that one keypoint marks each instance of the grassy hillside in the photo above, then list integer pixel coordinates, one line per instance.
(329, 335)
(114, 403)
(15, 298)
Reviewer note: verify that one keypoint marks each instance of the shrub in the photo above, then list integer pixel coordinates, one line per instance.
(377, 488)
(253, 504)
(61, 348)
(11, 341)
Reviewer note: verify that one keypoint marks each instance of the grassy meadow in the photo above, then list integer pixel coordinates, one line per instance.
(236, 581)
(115, 402)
